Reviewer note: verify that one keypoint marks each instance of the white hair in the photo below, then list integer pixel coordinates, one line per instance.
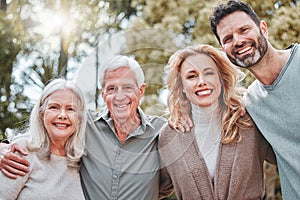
(121, 61)
(39, 138)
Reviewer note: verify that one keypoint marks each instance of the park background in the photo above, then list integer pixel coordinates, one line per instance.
(42, 39)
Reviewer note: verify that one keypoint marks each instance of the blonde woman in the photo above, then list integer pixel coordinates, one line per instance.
(222, 157)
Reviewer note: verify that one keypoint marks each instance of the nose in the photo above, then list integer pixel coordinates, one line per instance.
(201, 81)
(237, 39)
(62, 114)
(120, 94)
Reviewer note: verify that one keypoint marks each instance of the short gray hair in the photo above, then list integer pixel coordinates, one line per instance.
(121, 61)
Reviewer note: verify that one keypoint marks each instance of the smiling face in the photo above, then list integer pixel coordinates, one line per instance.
(243, 42)
(200, 80)
(61, 116)
(121, 93)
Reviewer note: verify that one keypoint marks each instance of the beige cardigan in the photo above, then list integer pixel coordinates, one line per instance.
(239, 170)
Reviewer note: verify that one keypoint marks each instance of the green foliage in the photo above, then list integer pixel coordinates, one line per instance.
(11, 43)
(285, 27)
(155, 29)
(36, 55)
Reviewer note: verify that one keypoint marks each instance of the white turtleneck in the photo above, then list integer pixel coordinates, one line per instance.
(208, 128)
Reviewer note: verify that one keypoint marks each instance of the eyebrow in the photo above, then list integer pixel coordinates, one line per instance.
(205, 69)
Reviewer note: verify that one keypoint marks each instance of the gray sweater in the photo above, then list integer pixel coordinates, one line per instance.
(47, 179)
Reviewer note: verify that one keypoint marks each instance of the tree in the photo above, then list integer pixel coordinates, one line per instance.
(45, 52)
(11, 35)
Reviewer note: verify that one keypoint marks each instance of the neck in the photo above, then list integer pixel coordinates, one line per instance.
(206, 116)
(124, 127)
(269, 68)
(58, 150)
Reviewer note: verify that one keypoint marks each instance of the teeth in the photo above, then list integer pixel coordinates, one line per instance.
(61, 125)
(244, 50)
(121, 106)
(204, 92)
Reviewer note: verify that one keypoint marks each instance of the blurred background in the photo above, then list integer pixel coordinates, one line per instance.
(42, 39)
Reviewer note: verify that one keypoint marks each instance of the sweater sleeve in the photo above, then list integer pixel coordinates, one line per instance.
(11, 188)
(270, 155)
(166, 187)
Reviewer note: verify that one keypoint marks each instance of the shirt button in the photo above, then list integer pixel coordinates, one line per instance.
(115, 177)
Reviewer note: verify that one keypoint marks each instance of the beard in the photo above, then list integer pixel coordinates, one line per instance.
(253, 58)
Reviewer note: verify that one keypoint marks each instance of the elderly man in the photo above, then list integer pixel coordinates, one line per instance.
(122, 159)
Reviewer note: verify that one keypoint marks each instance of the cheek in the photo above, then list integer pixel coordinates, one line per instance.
(46, 118)
(218, 88)
(226, 48)
(46, 121)
(187, 86)
(184, 85)
(107, 98)
(76, 118)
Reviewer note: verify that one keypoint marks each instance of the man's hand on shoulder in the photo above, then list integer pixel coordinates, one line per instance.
(12, 163)
(182, 123)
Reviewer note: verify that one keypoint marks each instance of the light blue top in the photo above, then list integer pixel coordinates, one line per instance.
(276, 111)
(112, 170)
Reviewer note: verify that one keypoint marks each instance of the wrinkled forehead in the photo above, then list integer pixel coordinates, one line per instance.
(121, 75)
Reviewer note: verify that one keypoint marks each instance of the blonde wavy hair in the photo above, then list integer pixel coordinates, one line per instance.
(232, 107)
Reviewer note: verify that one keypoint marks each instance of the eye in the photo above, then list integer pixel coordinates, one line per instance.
(71, 109)
(244, 29)
(191, 76)
(227, 40)
(110, 89)
(53, 107)
(209, 73)
(128, 88)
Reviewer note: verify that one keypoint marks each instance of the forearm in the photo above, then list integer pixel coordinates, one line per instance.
(165, 187)
(10, 188)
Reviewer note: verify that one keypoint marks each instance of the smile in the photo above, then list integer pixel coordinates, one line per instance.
(122, 106)
(204, 92)
(59, 125)
(243, 50)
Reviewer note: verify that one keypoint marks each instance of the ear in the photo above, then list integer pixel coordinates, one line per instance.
(41, 116)
(142, 90)
(264, 28)
(102, 94)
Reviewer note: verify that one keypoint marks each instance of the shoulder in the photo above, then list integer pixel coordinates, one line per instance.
(22, 140)
(156, 119)
(251, 133)
(253, 87)
(166, 134)
(92, 114)
(254, 91)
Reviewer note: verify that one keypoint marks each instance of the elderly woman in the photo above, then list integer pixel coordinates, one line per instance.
(55, 144)
(223, 156)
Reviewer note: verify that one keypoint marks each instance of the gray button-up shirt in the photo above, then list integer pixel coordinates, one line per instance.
(112, 170)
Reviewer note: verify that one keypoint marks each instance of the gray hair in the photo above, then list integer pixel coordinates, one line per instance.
(39, 138)
(121, 61)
